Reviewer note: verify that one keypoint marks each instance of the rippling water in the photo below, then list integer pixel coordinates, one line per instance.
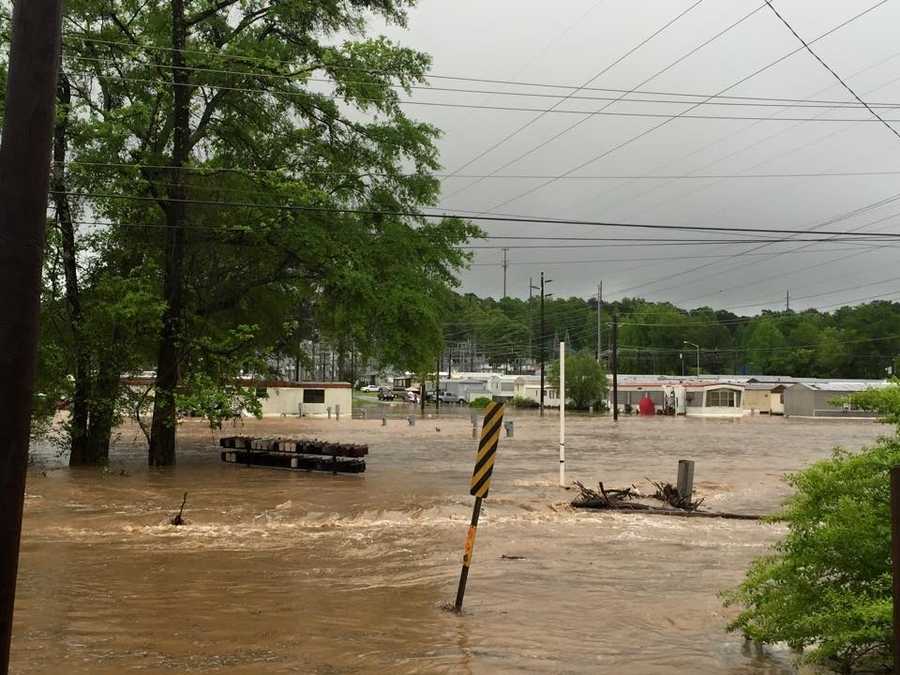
(281, 572)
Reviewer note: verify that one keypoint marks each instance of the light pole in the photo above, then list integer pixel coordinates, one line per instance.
(697, 347)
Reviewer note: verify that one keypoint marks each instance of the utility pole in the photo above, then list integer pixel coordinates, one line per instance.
(542, 339)
(24, 182)
(505, 265)
(787, 302)
(615, 365)
(697, 347)
(599, 300)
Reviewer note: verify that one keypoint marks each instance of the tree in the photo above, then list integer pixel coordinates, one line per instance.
(585, 379)
(827, 586)
(252, 187)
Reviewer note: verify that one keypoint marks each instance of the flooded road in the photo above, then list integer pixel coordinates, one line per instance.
(282, 572)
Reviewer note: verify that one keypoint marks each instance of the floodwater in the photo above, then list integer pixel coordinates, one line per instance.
(284, 572)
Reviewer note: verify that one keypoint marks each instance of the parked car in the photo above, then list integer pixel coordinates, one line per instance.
(412, 396)
(385, 394)
(371, 388)
(447, 397)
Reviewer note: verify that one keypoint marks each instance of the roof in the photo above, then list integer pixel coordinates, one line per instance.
(858, 385)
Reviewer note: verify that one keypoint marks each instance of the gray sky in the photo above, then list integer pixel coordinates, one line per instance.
(571, 42)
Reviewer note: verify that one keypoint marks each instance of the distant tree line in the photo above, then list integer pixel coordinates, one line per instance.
(862, 341)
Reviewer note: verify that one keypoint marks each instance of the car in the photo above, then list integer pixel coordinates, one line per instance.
(385, 394)
(447, 397)
(370, 388)
(412, 396)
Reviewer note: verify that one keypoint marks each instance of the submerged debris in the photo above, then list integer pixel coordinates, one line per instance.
(621, 500)
(668, 493)
(178, 518)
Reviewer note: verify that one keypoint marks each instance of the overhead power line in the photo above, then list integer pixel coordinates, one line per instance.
(818, 58)
(472, 106)
(235, 56)
(602, 111)
(602, 72)
(495, 218)
(646, 132)
(314, 172)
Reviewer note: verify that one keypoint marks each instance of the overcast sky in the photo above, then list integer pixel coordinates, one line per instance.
(570, 43)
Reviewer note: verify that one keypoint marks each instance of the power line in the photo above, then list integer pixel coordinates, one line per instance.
(831, 70)
(494, 218)
(315, 172)
(646, 132)
(522, 128)
(428, 76)
(472, 106)
(748, 102)
(602, 110)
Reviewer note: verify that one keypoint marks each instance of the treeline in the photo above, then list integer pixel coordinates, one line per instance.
(852, 342)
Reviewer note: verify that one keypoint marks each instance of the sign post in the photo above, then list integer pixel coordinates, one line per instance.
(480, 485)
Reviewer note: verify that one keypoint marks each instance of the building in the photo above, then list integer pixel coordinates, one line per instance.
(307, 399)
(466, 389)
(824, 399)
(764, 398)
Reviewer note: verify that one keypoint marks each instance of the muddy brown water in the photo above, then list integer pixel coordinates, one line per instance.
(284, 572)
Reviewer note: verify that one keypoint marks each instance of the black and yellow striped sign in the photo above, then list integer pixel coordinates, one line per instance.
(487, 450)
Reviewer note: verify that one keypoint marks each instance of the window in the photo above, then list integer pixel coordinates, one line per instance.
(262, 392)
(694, 399)
(723, 398)
(507, 386)
(314, 396)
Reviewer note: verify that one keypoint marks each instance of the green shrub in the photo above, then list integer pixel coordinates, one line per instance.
(827, 587)
(524, 402)
(480, 402)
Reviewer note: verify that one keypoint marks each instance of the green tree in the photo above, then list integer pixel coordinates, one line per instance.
(827, 588)
(207, 145)
(585, 379)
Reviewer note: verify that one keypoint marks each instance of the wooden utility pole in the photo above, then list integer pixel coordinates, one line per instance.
(615, 365)
(24, 182)
(542, 336)
(505, 266)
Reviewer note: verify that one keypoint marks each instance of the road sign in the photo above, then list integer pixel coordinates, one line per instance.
(480, 484)
(487, 450)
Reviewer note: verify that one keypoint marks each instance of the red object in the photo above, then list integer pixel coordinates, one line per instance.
(646, 406)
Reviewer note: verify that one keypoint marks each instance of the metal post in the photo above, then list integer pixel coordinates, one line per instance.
(599, 332)
(685, 482)
(24, 181)
(467, 556)
(562, 414)
(337, 412)
(615, 365)
(895, 559)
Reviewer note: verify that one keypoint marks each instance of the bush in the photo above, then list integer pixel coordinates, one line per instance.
(524, 402)
(827, 588)
(480, 402)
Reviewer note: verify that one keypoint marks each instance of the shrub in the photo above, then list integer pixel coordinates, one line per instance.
(827, 587)
(524, 402)
(480, 402)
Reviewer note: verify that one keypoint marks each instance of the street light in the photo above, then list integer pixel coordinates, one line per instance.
(697, 347)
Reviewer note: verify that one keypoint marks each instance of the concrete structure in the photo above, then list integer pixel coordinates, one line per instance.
(822, 399)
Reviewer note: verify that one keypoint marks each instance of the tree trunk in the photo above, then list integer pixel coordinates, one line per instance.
(78, 424)
(162, 430)
(103, 409)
